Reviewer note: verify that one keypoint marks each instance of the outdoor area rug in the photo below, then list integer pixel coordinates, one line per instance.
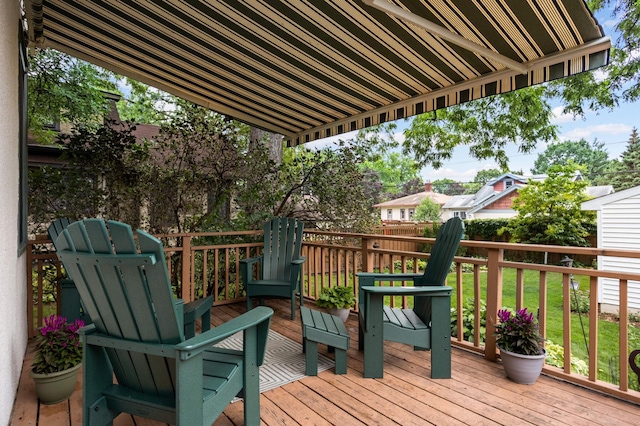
(283, 360)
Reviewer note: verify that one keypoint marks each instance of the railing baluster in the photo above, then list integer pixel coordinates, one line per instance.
(566, 321)
(624, 335)
(593, 329)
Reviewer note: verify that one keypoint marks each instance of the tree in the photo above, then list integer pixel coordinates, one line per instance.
(63, 89)
(448, 187)
(593, 157)
(102, 177)
(394, 170)
(618, 81)
(485, 125)
(427, 210)
(625, 173)
(549, 212)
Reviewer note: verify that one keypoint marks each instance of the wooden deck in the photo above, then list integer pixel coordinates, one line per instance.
(478, 393)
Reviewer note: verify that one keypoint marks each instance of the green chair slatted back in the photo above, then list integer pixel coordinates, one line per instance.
(442, 254)
(129, 299)
(282, 244)
(280, 263)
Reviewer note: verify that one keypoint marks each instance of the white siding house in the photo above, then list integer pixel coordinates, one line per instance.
(618, 228)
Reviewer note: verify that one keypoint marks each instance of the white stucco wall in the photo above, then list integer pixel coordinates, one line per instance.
(13, 335)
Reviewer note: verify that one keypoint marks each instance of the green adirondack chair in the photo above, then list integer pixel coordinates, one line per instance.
(280, 268)
(72, 307)
(427, 325)
(137, 334)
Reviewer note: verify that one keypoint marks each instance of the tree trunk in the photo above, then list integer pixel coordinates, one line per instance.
(272, 140)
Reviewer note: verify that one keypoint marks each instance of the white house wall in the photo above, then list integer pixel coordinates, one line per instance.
(494, 214)
(13, 334)
(619, 228)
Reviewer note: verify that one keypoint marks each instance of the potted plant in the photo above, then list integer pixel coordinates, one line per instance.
(338, 300)
(521, 345)
(57, 360)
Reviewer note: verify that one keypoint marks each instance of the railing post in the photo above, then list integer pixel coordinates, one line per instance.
(494, 300)
(187, 287)
(367, 254)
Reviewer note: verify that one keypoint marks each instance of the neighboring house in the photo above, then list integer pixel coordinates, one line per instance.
(403, 209)
(495, 199)
(618, 228)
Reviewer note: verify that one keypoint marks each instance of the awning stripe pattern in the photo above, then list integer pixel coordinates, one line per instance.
(309, 69)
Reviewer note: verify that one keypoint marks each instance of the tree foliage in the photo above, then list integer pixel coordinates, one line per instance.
(448, 187)
(486, 126)
(427, 210)
(549, 211)
(616, 82)
(593, 157)
(625, 172)
(101, 176)
(64, 89)
(394, 171)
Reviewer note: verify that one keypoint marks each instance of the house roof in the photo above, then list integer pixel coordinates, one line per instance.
(597, 203)
(309, 69)
(414, 200)
(481, 204)
(487, 195)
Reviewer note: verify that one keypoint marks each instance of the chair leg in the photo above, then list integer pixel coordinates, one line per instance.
(249, 306)
(293, 306)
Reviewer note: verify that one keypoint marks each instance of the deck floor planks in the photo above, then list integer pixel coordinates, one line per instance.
(285, 409)
(478, 393)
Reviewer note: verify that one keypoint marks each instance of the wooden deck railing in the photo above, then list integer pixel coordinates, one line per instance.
(208, 263)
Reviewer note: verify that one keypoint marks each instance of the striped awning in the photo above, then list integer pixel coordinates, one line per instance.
(310, 69)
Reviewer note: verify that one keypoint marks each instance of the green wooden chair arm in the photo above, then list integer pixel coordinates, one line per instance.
(90, 336)
(408, 290)
(375, 276)
(197, 308)
(259, 316)
(251, 260)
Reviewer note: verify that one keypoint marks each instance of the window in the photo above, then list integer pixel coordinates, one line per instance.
(401, 213)
(508, 183)
(411, 213)
(389, 214)
(461, 215)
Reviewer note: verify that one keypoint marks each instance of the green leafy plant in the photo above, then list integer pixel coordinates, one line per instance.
(518, 333)
(555, 357)
(336, 297)
(468, 325)
(58, 345)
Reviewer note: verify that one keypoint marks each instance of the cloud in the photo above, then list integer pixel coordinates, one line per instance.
(600, 131)
(559, 117)
(450, 173)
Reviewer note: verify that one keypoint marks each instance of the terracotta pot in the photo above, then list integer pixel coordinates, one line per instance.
(343, 313)
(53, 388)
(524, 369)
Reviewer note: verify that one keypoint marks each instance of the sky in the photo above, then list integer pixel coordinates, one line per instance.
(612, 128)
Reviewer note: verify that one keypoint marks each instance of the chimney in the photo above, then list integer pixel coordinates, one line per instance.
(428, 187)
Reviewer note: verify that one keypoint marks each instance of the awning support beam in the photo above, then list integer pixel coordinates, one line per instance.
(445, 34)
